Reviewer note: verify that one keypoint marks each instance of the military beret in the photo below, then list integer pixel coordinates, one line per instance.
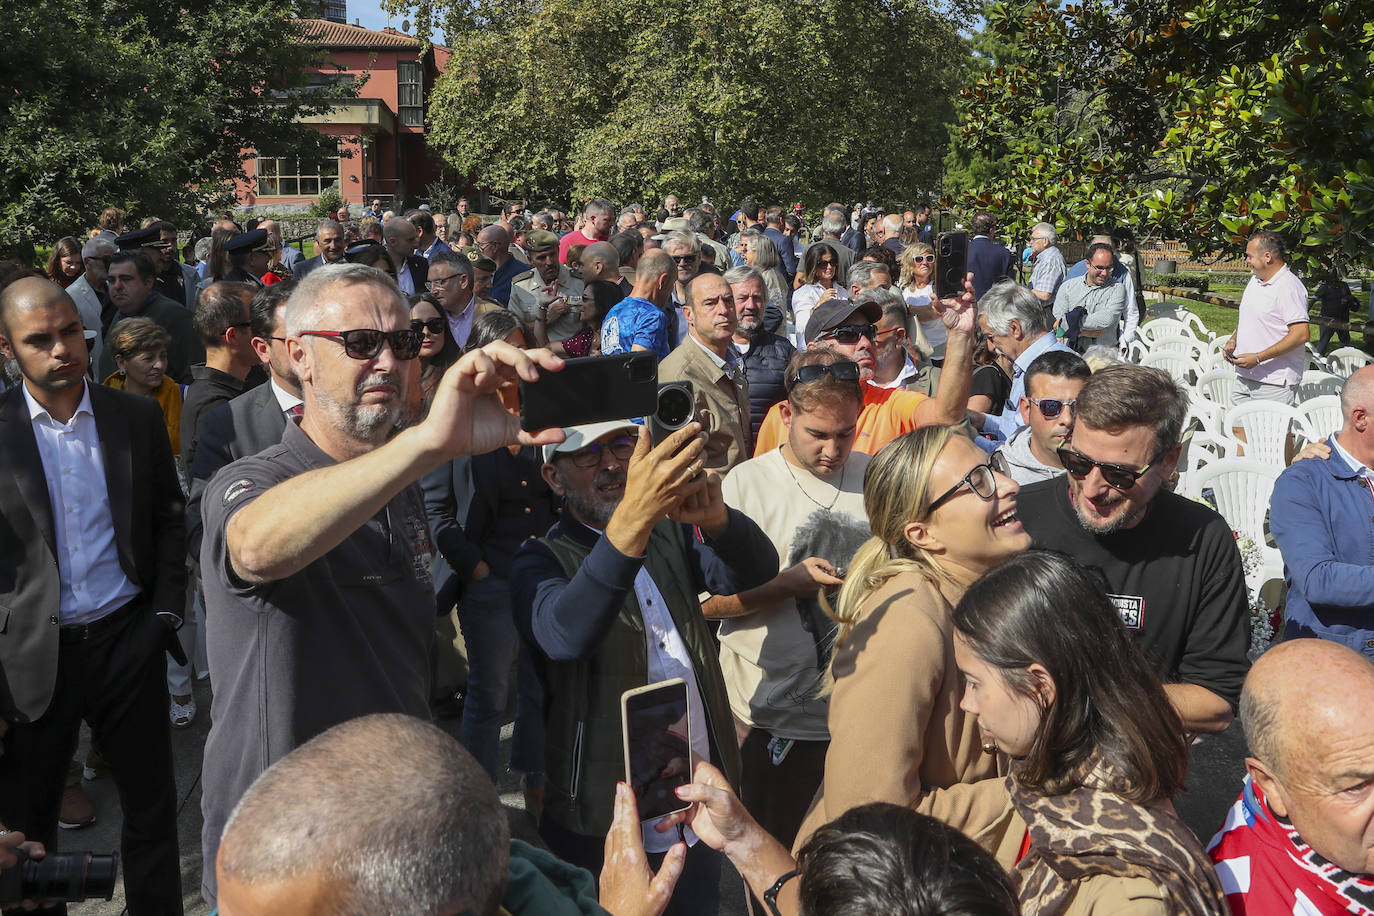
(479, 260)
(541, 240)
(137, 238)
(249, 241)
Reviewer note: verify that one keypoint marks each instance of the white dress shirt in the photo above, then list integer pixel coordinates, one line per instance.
(285, 399)
(93, 582)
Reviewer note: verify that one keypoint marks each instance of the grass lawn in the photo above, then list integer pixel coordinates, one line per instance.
(1222, 320)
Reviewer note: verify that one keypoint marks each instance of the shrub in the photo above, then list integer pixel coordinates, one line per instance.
(328, 203)
(1198, 282)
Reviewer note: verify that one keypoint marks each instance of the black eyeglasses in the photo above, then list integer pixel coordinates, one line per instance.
(844, 371)
(850, 333)
(980, 479)
(590, 456)
(1117, 476)
(438, 281)
(432, 325)
(683, 258)
(366, 343)
(1052, 407)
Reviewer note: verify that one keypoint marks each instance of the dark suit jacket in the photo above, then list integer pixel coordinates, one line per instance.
(245, 426)
(145, 505)
(988, 262)
(448, 497)
(419, 271)
(786, 250)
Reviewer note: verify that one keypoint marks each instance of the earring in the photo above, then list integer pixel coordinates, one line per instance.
(121, 373)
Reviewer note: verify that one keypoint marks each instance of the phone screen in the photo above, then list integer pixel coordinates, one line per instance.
(658, 755)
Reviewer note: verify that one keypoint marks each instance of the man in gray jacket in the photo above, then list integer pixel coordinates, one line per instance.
(1053, 380)
(1101, 296)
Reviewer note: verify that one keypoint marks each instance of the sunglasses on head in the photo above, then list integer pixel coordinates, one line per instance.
(1117, 476)
(432, 325)
(1052, 407)
(850, 333)
(366, 343)
(844, 371)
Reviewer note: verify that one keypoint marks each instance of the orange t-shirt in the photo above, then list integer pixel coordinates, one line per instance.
(887, 414)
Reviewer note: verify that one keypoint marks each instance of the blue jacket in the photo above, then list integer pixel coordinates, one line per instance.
(1322, 517)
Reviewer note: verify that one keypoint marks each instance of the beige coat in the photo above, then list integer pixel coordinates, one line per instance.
(725, 402)
(897, 733)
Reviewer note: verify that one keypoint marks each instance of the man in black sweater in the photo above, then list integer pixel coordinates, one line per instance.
(1171, 564)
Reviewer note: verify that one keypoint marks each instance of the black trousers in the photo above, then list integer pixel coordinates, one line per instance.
(117, 682)
(778, 795)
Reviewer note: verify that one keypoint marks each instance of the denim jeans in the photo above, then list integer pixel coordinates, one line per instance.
(484, 613)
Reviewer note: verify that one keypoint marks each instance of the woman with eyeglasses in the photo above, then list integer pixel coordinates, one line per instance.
(940, 517)
(438, 349)
(917, 280)
(1058, 685)
(821, 281)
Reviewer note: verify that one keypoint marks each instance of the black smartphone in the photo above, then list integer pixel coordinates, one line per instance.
(658, 745)
(951, 264)
(591, 389)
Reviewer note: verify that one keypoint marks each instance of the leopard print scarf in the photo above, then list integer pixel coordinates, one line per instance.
(1092, 831)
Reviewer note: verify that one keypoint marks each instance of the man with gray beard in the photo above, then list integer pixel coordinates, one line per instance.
(319, 604)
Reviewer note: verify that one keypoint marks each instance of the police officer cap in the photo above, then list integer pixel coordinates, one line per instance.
(249, 241)
(137, 239)
(479, 260)
(540, 240)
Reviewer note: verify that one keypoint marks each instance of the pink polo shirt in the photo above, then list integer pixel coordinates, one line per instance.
(1267, 308)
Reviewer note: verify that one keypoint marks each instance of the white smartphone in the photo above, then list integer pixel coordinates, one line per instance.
(658, 745)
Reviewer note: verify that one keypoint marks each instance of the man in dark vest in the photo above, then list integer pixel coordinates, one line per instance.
(607, 601)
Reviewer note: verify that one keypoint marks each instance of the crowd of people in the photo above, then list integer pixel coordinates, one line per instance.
(946, 631)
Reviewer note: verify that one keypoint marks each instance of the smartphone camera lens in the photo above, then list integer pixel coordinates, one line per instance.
(675, 406)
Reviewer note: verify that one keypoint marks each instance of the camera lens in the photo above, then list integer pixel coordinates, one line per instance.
(675, 406)
(70, 877)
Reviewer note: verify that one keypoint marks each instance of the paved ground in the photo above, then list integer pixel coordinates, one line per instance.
(1214, 780)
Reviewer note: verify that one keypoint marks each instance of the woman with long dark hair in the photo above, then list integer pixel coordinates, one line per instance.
(1097, 750)
(438, 349)
(65, 263)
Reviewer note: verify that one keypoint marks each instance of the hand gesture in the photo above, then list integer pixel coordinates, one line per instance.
(704, 507)
(661, 476)
(961, 313)
(1313, 450)
(826, 296)
(809, 577)
(467, 416)
(628, 887)
(716, 815)
(557, 309)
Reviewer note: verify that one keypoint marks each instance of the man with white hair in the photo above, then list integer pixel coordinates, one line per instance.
(318, 597)
(89, 293)
(1049, 262)
(1018, 327)
(1320, 517)
(892, 232)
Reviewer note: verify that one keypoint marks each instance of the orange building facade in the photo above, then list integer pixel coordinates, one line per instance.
(381, 133)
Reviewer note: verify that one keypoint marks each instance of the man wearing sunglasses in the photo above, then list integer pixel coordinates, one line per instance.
(316, 552)
(607, 601)
(1052, 385)
(89, 293)
(1171, 564)
(850, 329)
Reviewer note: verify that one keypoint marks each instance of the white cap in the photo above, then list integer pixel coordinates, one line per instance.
(579, 437)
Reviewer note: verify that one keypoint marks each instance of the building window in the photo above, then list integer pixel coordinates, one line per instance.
(296, 177)
(408, 78)
(336, 10)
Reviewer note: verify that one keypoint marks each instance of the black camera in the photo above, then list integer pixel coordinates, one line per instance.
(677, 406)
(59, 877)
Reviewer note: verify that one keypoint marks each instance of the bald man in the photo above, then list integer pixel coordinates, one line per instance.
(93, 540)
(1300, 839)
(1322, 517)
(642, 320)
(600, 261)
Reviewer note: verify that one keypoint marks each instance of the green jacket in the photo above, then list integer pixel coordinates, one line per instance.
(584, 750)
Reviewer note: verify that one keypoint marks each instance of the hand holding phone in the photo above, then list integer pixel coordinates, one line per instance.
(658, 748)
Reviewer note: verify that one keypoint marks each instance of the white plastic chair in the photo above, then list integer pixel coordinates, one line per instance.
(1181, 367)
(1216, 385)
(1240, 488)
(1157, 329)
(1323, 414)
(1315, 383)
(1198, 329)
(1200, 447)
(1315, 361)
(1136, 350)
(1194, 348)
(1346, 360)
(1266, 426)
(1207, 414)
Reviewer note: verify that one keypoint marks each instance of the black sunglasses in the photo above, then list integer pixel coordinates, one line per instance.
(850, 333)
(432, 325)
(366, 343)
(683, 258)
(1052, 407)
(1117, 476)
(590, 456)
(844, 371)
(980, 479)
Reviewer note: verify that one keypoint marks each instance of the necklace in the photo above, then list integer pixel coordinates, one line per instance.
(838, 487)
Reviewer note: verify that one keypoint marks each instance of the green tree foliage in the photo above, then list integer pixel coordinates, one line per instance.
(1203, 119)
(788, 101)
(141, 105)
